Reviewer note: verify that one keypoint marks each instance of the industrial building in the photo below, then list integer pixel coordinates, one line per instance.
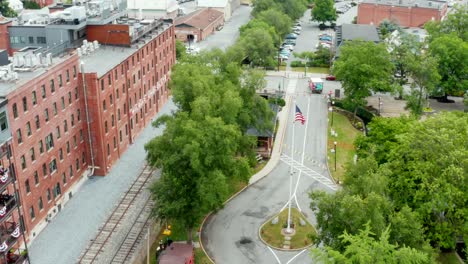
(77, 85)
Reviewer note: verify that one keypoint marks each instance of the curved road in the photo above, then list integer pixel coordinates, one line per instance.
(231, 235)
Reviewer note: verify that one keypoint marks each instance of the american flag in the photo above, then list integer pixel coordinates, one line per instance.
(299, 116)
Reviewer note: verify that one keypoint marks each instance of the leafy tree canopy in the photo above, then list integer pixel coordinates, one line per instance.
(6, 11)
(259, 47)
(455, 23)
(180, 49)
(324, 11)
(280, 22)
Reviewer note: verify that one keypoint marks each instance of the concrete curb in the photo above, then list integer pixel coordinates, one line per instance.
(275, 158)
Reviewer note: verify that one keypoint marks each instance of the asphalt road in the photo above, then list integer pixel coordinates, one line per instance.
(231, 235)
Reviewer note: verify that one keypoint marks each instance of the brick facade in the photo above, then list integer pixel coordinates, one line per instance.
(405, 16)
(124, 100)
(47, 121)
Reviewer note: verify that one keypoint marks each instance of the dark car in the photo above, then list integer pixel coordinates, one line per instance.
(330, 78)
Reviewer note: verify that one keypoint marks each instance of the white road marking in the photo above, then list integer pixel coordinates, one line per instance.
(274, 254)
(296, 256)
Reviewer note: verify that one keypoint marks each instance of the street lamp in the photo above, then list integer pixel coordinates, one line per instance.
(380, 104)
(334, 148)
(331, 110)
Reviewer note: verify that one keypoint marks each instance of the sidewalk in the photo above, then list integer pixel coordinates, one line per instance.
(67, 235)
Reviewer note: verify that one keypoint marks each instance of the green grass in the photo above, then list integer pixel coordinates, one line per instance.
(200, 257)
(448, 258)
(345, 144)
(271, 233)
(309, 69)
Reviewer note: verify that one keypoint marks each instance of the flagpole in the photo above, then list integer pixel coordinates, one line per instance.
(289, 229)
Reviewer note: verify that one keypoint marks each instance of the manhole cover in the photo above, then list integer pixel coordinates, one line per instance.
(245, 240)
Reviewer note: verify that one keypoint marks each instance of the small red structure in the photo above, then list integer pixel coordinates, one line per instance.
(177, 253)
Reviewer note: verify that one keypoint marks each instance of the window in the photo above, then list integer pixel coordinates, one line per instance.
(25, 104)
(108, 150)
(120, 135)
(38, 122)
(60, 81)
(61, 154)
(111, 100)
(77, 164)
(125, 109)
(64, 178)
(18, 136)
(117, 93)
(115, 143)
(41, 40)
(77, 95)
(36, 178)
(118, 114)
(74, 71)
(31, 213)
(65, 126)
(26, 185)
(74, 142)
(113, 120)
(57, 130)
(49, 141)
(28, 129)
(40, 204)
(70, 170)
(43, 91)
(44, 170)
(3, 121)
(48, 195)
(126, 130)
(52, 166)
(105, 127)
(70, 98)
(78, 115)
(67, 75)
(62, 100)
(32, 154)
(102, 84)
(46, 114)
(34, 98)
(104, 107)
(83, 157)
(52, 86)
(72, 120)
(109, 81)
(54, 108)
(23, 162)
(41, 147)
(81, 135)
(31, 40)
(68, 147)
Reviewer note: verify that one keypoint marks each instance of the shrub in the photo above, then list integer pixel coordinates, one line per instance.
(297, 64)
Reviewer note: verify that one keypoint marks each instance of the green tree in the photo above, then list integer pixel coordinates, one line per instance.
(180, 49)
(294, 8)
(196, 157)
(363, 67)
(402, 53)
(324, 11)
(423, 72)
(262, 5)
(260, 24)
(258, 46)
(6, 11)
(429, 174)
(280, 22)
(455, 23)
(363, 248)
(386, 27)
(451, 54)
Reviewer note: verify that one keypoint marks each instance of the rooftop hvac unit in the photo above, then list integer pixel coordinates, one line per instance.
(78, 50)
(96, 44)
(49, 59)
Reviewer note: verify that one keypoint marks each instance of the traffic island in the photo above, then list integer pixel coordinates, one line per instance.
(273, 232)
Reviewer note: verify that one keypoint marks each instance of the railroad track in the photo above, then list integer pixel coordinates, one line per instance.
(91, 253)
(134, 236)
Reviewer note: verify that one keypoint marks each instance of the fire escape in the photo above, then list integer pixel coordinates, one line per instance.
(13, 247)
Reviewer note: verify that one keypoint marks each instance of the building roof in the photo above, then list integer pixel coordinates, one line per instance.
(409, 3)
(177, 253)
(213, 3)
(361, 32)
(167, 5)
(252, 131)
(107, 57)
(199, 19)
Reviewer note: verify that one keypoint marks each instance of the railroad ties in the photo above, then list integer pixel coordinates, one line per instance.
(98, 249)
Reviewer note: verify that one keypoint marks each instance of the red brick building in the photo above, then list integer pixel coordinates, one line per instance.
(198, 25)
(47, 120)
(407, 13)
(48, 100)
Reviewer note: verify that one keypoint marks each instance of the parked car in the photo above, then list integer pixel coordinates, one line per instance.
(325, 38)
(288, 46)
(297, 27)
(291, 36)
(290, 42)
(330, 78)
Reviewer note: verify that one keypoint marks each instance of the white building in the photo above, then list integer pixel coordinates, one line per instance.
(225, 6)
(152, 8)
